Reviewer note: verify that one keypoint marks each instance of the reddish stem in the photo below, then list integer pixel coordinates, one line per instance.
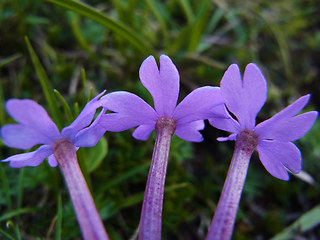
(88, 217)
(222, 225)
(151, 214)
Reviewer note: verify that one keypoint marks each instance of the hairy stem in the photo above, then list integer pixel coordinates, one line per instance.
(222, 225)
(88, 217)
(150, 220)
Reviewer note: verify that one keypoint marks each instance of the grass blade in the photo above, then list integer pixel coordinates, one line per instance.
(123, 30)
(306, 222)
(16, 213)
(59, 220)
(186, 7)
(7, 235)
(6, 187)
(65, 106)
(45, 84)
(9, 59)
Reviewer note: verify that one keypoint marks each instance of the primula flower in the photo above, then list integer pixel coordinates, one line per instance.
(36, 127)
(272, 138)
(185, 120)
(131, 111)
(244, 98)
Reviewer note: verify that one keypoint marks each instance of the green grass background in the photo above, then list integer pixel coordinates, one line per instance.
(74, 47)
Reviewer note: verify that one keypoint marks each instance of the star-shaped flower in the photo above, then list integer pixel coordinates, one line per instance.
(130, 110)
(35, 127)
(273, 137)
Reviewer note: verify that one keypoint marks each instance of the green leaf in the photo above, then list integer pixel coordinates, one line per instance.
(96, 154)
(306, 222)
(45, 84)
(119, 28)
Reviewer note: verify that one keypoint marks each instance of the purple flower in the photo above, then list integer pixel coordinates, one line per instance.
(130, 110)
(273, 137)
(35, 127)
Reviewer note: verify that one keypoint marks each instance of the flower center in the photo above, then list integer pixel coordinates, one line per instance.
(166, 123)
(247, 140)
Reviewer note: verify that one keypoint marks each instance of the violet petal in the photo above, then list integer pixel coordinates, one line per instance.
(130, 111)
(231, 89)
(287, 129)
(22, 136)
(85, 117)
(163, 85)
(143, 132)
(52, 161)
(31, 159)
(90, 136)
(231, 137)
(223, 120)
(254, 93)
(30, 113)
(276, 156)
(197, 105)
(190, 131)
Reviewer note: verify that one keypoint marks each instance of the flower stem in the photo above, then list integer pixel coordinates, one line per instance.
(222, 225)
(150, 220)
(88, 217)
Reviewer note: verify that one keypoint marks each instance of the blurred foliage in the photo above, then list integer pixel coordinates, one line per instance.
(101, 47)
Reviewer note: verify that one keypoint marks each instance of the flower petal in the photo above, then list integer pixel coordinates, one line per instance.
(130, 111)
(276, 156)
(254, 93)
(30, 113)
(85, 117)
(223, 120)
(232, 92)
(90, 136)
(190, 131)
(197, 105)
(22, 136)
(231, 137)
(287, 129)
(31, 159)
(52, 161)
(163, 85)
(143, 132)
(244, 98)
(270, 128)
